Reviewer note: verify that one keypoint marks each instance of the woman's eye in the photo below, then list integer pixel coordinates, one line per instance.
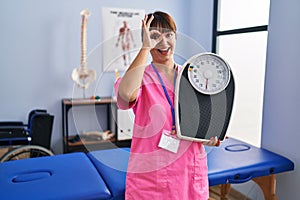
(154, 36)
(169, 35)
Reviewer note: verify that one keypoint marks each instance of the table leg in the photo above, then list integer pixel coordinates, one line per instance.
(268, 186)
(225, 189)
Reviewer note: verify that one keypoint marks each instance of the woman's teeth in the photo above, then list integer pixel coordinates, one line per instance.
(164, 51)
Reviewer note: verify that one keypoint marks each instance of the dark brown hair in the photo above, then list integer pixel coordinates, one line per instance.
(163, 21)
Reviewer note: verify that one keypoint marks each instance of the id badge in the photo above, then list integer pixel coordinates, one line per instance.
(169, 142)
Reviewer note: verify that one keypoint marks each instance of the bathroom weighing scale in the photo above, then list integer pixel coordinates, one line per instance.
(204, 95)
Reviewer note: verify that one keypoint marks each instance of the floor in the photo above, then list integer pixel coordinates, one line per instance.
(233, 194)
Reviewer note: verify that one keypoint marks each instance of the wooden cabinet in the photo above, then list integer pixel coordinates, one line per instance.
(89, 142)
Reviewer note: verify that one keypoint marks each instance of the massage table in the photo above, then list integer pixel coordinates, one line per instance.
(101, 174)
(237, 162)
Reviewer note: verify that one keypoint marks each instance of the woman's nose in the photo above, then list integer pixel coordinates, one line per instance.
(163, 40)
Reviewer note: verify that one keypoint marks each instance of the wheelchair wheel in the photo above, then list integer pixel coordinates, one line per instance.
(23, 152)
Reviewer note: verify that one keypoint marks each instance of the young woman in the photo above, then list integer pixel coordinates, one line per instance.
(160, 165)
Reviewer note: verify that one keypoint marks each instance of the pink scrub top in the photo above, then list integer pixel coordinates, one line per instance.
(153, 172)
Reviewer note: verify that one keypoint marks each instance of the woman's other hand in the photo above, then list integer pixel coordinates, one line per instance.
(213, 141)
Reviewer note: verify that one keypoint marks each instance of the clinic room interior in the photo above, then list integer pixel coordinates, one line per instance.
(60, 60)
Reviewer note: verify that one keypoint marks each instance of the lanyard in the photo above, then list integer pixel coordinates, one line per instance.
(167, 95)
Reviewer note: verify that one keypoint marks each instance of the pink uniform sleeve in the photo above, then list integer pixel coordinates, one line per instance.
(122, 104)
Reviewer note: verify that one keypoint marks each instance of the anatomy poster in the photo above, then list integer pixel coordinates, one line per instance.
(121, 37)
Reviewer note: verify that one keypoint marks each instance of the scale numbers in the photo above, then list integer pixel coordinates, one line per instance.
(208, 73)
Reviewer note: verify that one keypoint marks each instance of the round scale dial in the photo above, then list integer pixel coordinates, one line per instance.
(208, 73)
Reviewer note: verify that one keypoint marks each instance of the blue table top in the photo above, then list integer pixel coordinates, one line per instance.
(235, 161)
(65, 176)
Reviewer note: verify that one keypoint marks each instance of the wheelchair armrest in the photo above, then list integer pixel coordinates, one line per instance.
(13, 131)
(7, 124)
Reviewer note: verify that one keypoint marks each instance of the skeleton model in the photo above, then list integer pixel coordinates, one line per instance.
(83, 76)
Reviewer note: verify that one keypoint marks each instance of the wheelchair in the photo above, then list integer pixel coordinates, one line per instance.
(27, 140)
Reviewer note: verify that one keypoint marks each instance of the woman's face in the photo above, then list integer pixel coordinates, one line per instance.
(165, 47)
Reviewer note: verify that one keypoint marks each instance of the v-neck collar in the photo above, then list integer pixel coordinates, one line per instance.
(167, 82)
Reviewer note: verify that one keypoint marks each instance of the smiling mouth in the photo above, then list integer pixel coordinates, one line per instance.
(164, 51)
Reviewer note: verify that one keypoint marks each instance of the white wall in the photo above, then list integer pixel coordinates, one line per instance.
(281, 121)
(40, 46)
